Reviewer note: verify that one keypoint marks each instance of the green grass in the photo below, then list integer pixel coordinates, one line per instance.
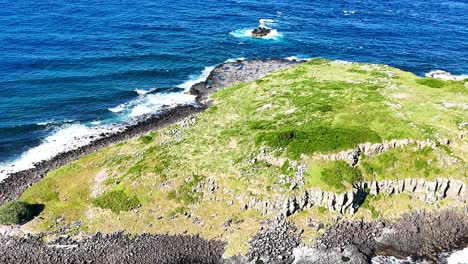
(116, 201)
(186, 193)
(316, 139)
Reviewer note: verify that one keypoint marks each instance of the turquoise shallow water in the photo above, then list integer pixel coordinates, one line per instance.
(72, 70)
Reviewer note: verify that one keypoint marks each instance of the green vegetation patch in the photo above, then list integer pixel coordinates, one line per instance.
(116, 201)
(453, 86)
(367, 204)
(339, 173)
(186, 192)
(317, 139)
(15, 213)
(146, 139)
(403, 163)
(431, 82)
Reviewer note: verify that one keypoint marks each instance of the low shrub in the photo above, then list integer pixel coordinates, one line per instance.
(116, 201)
(339, 173)
(146, 139)
(14, 213)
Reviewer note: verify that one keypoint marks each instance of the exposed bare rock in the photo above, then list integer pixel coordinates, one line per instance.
(274, 243)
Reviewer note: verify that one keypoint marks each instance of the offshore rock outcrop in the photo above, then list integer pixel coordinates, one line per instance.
(260, 32)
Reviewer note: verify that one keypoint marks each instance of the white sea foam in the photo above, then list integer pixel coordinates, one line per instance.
(118, 108)
(266, 23)
(349, 12)
(140, 110)
(299, 58)
(443, 75)
(141, 91)
(65, 138)
(193, 79)
(43, 123)
(234, 60)
(458, 257)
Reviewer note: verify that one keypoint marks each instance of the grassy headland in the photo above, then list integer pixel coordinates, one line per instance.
(195, 176)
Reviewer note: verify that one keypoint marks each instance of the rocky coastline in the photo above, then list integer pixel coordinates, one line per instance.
(223, 75)
(421, 235)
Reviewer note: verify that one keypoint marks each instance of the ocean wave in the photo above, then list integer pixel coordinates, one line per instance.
(298, 58)
(443, 75)
(234, 60)
(64, 138)
(143, 92)
(149, 102)
(194, 79)
(152, 103)
(266, 23)
(117, 109)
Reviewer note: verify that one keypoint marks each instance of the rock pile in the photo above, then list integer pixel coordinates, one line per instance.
(420, 235)
(274, 243)
(115, 248)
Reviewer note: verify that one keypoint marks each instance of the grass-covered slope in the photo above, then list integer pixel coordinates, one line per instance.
(196, 176)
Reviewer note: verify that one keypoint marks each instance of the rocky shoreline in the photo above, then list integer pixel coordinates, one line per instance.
(420, 235)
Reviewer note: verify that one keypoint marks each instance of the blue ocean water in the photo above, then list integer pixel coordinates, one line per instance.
(71, 69)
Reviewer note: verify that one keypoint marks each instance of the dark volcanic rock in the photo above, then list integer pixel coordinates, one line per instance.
(425, 235)
(420, 235)
(260, 32)
(274, 243)
(115, 248)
